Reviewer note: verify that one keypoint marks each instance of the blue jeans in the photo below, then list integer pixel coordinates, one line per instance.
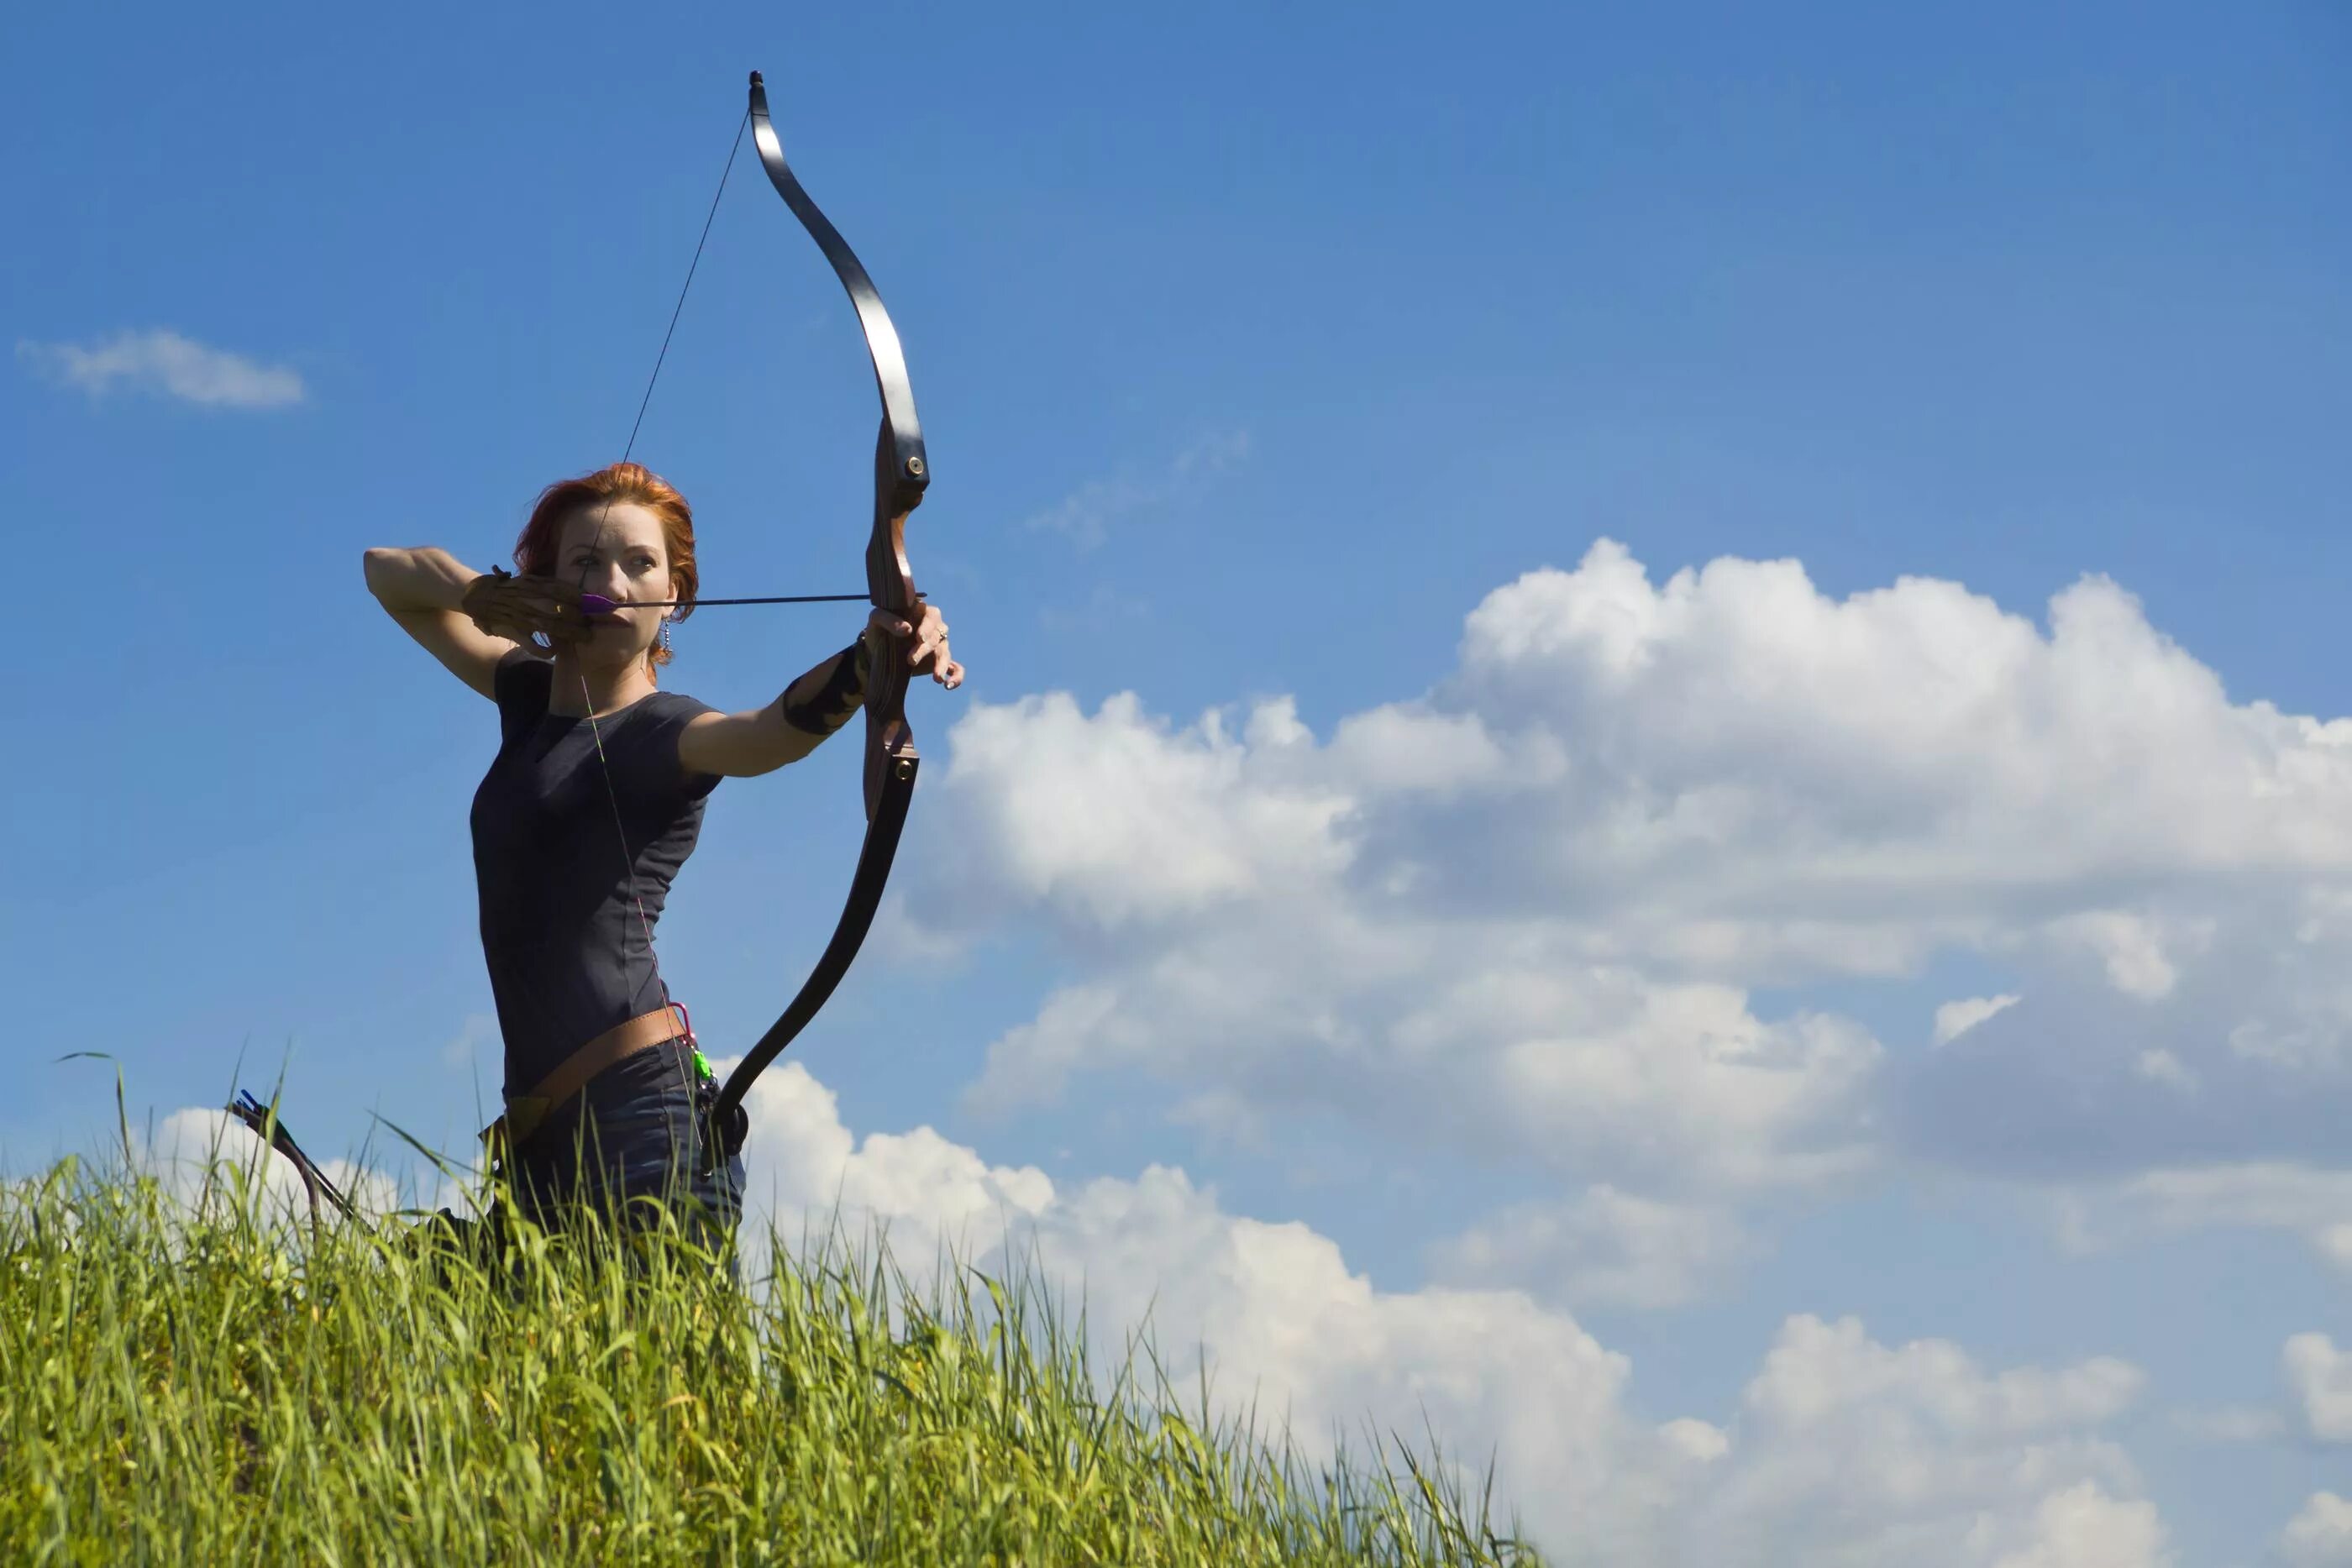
(635, 1131)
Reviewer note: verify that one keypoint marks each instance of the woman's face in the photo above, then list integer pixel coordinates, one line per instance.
(617, 551)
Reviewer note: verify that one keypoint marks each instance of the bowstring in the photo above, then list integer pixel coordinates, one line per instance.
(595, 730)
(677, 310)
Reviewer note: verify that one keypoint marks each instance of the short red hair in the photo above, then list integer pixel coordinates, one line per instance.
(534, 549)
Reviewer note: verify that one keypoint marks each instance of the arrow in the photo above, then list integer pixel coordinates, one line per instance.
(597, 604)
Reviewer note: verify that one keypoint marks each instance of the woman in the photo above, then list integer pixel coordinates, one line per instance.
(588, 809)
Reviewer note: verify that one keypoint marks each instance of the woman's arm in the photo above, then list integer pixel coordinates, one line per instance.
(744, 745)
(424, 589)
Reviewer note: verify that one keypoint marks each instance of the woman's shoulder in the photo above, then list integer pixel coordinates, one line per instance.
(674, 706)
(660, 720)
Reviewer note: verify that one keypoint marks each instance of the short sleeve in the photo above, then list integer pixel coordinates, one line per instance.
(659, 720)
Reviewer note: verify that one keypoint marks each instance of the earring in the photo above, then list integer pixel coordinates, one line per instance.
(665, 634)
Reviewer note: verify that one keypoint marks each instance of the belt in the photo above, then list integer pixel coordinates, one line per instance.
(526, 1114)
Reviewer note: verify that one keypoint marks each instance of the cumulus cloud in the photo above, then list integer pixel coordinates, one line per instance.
(1912, 738)
(1955, 1018)
(164, 363)
(1523, 913)
(2320, 1534)
(1844, 1450)
(2083, 1527)
(1270, 1312)
(2320, 1377)
(1856, 1452)
(2311, 1202)
(1215, 874)
(1603, 1248)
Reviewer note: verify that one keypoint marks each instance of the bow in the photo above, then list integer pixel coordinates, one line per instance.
(901, 474)
(263, 1121)
(900, 477)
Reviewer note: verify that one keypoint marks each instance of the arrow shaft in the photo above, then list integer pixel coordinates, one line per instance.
(597, 604)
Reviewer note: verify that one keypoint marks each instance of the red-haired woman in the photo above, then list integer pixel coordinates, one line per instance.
(591, 806)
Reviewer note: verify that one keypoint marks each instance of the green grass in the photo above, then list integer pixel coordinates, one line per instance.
(210, 1383)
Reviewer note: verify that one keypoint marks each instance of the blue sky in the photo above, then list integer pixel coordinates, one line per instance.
(1350, 807)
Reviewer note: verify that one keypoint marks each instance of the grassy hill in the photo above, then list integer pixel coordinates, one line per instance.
(210, 1385)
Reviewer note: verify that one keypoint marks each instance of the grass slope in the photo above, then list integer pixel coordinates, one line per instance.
(206, 1385)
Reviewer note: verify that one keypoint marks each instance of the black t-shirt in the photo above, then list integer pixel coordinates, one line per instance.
(564, 860)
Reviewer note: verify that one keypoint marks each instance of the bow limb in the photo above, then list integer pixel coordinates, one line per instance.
(263, 1120)
(901, 474)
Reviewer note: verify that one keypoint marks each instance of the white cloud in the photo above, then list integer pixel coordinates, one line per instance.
(2083, 1527)
(1216, 874)
(1602, 1247)
(1526, 1053)
(1270, 1309)
(2320, 1534)
(1852, 1452)
(1820, 1371)
(1087, 514)
(2163, 1067)
(1530, 906)
(1955, 1018)
(2133, 949)
(1133, 828)
(1844, 1450)
(1921, 715)
(164, 362)
(802, 1163)
(2316, 1204)
(2320, 1377)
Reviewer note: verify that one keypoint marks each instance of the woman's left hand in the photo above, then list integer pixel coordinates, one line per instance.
(930, 652)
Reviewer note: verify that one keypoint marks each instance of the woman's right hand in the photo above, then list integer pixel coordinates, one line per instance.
(523, 609)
